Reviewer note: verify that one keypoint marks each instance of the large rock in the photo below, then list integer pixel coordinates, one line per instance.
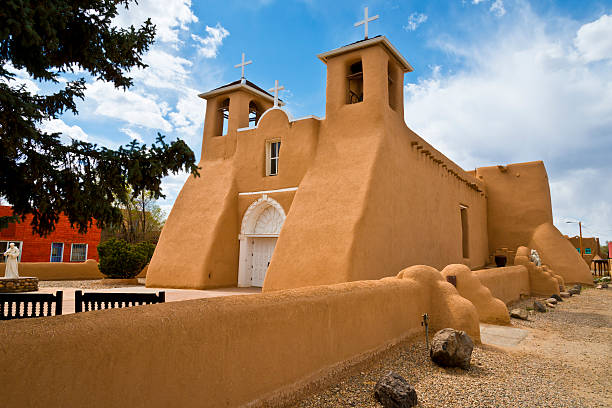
(565, 294)
(551, 300)
(539, 306)
(393, 391)
(574, 291)
(451, 348)
(557, 297)
(519, 314)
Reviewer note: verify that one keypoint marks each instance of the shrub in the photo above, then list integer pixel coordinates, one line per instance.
(121, 260)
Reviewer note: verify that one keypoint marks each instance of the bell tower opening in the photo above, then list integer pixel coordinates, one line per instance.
(254, 114)
(354, 78)
(223, 117)
(392, 85)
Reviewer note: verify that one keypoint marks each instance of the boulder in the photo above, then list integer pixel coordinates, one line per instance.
(599, 287)
(556, 297)
(519, 314)
(604, 285)
(393, 391)
(565, 294)
(451, 348)
(551, 300)
(574, 291)
(552, 306)
(539, 306)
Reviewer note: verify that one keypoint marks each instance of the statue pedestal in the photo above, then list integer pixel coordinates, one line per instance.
(21, 284)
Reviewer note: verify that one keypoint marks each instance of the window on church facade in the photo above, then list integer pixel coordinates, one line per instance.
(78, 253)
(272, 155)
(223, 117)
(355, 83)
(465, 242)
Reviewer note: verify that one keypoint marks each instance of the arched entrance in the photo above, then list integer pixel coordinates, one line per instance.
(260, 228)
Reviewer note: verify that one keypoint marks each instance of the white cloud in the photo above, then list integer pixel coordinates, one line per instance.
(134, 108)
(208, 46)
(415, 20)
(132, 134)
(169, 17)
(164, 70)
(497, 8)
(21, 78)
(524, 96)
(189, 115)
(59, 126)
(594, 40)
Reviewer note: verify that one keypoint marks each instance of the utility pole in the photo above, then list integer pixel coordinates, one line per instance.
(581, 249)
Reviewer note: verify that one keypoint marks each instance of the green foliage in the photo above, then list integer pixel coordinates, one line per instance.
(38, 174)
(121, 260)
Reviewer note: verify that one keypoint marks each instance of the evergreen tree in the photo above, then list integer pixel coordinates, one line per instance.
(38, 174)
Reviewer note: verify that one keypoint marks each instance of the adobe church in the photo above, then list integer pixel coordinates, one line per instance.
(285, 203)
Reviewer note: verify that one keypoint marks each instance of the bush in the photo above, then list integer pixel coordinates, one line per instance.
(121, 260)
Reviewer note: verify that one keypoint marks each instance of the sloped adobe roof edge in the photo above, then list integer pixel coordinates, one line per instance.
(368, 43)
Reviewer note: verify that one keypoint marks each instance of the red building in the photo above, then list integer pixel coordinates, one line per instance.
(65, 244)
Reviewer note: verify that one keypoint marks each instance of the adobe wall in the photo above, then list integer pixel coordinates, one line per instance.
(507, 283)
(377, 197)
(45, 271)
(198, 246)
(518, 201)
(218, 352)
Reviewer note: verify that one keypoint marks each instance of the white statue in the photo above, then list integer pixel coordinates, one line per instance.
(535, 258)
(12, 255)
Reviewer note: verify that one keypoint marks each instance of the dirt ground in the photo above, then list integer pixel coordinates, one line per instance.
(565, 361)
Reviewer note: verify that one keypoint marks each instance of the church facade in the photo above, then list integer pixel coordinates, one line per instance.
(357, 195)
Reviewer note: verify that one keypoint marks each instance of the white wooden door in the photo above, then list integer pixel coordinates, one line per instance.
(262, 253)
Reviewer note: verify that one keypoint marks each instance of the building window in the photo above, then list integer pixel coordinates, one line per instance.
(465, 242)
(4, 245)
(587, 251)
(223, 117)
(355, 83)
(78, 253)
(578, 249)
(272, 154)
(57, 252)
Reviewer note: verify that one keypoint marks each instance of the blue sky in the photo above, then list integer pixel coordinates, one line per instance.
(495, 81)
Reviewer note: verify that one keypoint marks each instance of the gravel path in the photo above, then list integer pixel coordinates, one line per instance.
(565, 361)
(83, 284)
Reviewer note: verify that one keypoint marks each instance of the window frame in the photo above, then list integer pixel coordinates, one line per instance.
(269, 157)
(2, 251)
(588, 251)
(61, 256)
(72, 251)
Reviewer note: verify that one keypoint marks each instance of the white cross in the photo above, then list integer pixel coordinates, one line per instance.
(365, 22)
(242, 65)
(275, 90)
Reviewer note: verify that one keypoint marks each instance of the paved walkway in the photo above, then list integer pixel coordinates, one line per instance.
(504, 336)
(172, 295)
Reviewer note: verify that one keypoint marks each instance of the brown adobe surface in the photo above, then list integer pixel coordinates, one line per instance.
(563, 362)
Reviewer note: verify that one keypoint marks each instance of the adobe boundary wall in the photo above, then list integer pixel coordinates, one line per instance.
(507, 283)
(231, 351)
(45, 271)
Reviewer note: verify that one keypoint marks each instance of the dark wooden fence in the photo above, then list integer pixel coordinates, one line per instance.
(85, 302)
(25, 305)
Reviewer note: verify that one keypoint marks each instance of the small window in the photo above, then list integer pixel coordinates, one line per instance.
(578, 249)
(4, 245)
(355, 83)
(465, 242)
(78, 253)
(587, 251)
(272, 155)
(57, 252)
